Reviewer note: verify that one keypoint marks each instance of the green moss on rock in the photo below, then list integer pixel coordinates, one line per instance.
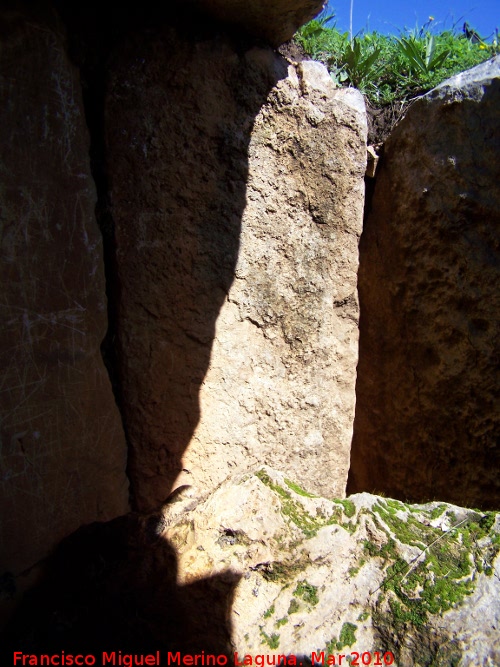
(348, 505)
(347, 635)
(292, 510)
(273, 641)
(299, 490)
(269, 612)
(307, 592)
(442, 575)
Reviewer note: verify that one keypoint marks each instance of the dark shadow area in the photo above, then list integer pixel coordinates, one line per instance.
(112, 587)
(170, 101)
(426, 422)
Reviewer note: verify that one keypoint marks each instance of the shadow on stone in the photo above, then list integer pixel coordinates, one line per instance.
(170, 106)
(171, 109)
(113, 587)
(426, 424)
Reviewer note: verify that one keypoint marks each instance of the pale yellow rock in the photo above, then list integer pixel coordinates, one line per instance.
(359, 575)
(372, 162)
(280, 386)
(237, 194)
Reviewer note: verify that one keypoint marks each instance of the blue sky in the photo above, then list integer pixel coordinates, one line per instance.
(391, 16)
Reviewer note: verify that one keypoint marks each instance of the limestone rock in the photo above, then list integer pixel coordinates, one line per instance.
(273, 20)
(236, 187)
(62, 443)
(343, 576)
(372, 161)
(262, 568)
(427, 418)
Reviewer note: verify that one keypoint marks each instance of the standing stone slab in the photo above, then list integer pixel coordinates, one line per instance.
(236, 187)
(427, 417)
(280, 386)
(62, 458)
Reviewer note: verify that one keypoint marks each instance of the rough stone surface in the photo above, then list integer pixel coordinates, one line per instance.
(413, 580)
(62, 445)
(236, 187)
(262, 568)
(427, 418)
(276, 21)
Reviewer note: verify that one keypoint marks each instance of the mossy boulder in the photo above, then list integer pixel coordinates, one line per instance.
(344, 576)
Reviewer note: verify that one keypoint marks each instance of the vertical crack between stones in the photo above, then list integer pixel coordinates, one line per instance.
(89, 45)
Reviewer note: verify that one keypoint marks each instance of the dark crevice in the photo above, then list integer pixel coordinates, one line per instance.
(94, 34)
(91, 37)
(113, 585)
(89, 48)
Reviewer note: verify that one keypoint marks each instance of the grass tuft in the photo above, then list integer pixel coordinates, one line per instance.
(387, 68)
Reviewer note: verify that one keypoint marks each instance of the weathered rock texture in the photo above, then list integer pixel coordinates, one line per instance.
(276, 21)
(231, 166)
(263, 568)
(280, 386)
(114, 586)
(62, 446)
(362, 574)
(427, 418)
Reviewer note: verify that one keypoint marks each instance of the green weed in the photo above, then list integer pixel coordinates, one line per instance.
(293, 511)
(272, 641)
(299, 490)
(269, 612)
(307, 592)
(349, 507)
(388, 68)
(347, 635)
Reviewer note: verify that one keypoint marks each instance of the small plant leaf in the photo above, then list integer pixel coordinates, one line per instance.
(439, 60)
(429, 51)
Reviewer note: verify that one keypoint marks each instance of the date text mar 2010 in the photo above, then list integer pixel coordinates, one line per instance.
(119, 659)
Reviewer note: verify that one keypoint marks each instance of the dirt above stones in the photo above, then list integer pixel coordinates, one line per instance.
(383, 119)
